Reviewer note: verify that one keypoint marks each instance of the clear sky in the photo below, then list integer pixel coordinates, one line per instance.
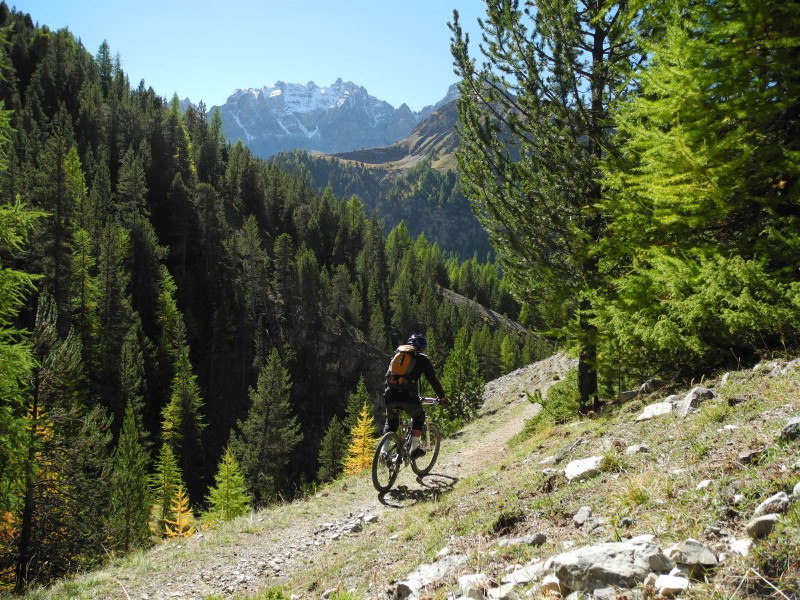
(399, 50)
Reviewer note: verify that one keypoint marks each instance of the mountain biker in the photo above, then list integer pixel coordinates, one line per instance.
(405, 395)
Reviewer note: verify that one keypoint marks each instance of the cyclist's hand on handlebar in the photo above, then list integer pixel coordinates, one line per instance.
(444, 401)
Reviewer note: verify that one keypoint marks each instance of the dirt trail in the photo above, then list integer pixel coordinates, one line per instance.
(279, 541)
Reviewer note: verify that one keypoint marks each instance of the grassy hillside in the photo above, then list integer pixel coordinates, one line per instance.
(701, 477)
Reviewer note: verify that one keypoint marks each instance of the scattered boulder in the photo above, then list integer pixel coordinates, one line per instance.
(655, 410)
(791, 431)
(473, 586)
(796, 491)
(582, 516)
(650, 386)
(549, 584)
(774, 504)
(670, 585)
(627, 395)
(761, 526)
(427, 574)
(692, 557)
(696, 396)
(533, 539)
(637, 448)
(621, 564)
(583, 469)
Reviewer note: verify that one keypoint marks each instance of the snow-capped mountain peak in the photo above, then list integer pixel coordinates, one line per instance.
(337, 117)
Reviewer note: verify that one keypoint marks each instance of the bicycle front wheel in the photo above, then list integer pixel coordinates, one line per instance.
(429, 441)
(385, 463)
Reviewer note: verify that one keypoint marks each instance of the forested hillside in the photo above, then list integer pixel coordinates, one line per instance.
(427, 199)
(166, 297)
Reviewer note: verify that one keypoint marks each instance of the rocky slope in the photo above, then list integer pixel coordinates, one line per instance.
(683, 500)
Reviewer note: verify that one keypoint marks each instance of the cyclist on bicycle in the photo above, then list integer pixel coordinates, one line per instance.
(401, 392)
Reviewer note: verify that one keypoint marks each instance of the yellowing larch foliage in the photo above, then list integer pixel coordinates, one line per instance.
(182, 526)
(362, 443)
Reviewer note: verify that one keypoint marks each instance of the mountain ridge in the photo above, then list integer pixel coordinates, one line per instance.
(339, 117)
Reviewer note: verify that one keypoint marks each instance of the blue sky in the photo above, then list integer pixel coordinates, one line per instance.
(399, 50)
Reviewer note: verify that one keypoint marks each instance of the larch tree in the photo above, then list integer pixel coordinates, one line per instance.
(703, 193)
(227, 498)
(183, 422)
(533, 123)
(165, 482)
(362, 442)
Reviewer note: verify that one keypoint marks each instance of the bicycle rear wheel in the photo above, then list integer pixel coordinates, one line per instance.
(385, 463)
(429, 441)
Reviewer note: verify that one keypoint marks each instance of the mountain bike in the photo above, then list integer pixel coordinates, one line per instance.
(393, 452)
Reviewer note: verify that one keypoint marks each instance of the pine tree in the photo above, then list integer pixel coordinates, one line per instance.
(267, 437)
(331, 451)
(228, 498)
(362, 443)
(534, 121)
(130, 493)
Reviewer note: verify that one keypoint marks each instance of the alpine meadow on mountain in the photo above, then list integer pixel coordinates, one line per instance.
(198, 307)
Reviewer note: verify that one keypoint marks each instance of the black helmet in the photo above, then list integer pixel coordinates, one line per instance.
(418, 341)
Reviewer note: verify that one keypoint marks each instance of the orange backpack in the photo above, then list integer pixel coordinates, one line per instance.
(403, 361)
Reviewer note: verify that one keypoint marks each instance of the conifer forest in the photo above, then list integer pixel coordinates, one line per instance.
(188, 331)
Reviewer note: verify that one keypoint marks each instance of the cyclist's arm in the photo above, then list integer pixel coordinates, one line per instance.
(430, 375)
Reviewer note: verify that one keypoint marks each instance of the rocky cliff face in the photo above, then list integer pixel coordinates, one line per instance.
(287, 116)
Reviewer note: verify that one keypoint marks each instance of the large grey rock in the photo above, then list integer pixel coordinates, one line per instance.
(696, 396)
(622, 564)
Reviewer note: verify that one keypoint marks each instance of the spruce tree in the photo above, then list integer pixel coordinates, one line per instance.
(130, 492)
(362, 442)
(331, 451)
(462, 380)
(267, 437)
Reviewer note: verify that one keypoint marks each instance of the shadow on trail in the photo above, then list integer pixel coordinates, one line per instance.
(432, 486)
